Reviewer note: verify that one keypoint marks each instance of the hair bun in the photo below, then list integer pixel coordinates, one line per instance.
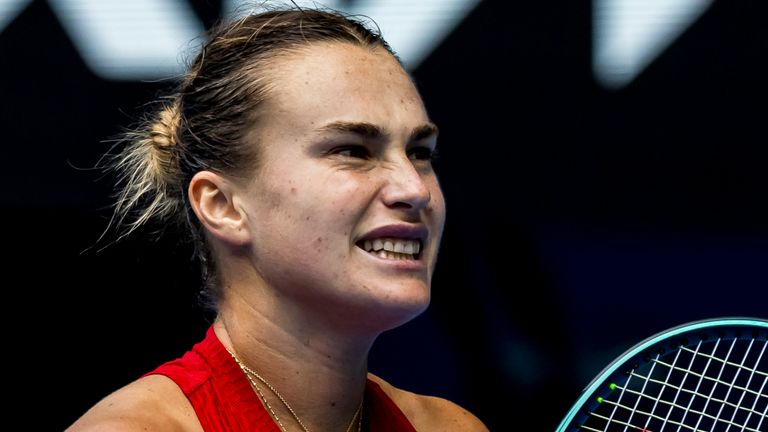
(163, 131)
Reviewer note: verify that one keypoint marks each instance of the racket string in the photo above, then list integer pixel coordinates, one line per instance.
(752, 373)
(694, 390)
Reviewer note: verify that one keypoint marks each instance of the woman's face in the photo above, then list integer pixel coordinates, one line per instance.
(345, 211)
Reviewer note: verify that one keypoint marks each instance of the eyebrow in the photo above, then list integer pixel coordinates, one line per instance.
(372, 131)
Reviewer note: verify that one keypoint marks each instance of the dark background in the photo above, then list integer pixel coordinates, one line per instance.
(581, 220)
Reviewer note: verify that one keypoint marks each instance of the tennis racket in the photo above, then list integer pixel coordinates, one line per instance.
(709, 375)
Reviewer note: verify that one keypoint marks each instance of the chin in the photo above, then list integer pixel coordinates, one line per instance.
(395, 312)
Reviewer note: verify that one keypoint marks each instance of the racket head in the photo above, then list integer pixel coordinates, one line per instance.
(677, 377)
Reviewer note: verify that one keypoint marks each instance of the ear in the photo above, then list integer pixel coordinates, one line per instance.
(214, 200)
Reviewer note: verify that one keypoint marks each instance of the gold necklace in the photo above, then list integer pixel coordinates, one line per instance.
(250, 374)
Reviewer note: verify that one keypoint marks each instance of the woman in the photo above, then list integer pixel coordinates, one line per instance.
(297, 150)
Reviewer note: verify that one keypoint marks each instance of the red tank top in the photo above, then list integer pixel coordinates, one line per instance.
(225, 401)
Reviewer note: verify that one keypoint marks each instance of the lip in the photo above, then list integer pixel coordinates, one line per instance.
(405, 231)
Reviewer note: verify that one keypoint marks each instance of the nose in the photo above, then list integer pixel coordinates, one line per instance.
(406, 187)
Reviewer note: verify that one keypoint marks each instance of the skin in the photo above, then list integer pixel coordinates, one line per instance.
(343, 157)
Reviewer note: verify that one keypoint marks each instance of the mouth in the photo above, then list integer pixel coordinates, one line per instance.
(391, 248)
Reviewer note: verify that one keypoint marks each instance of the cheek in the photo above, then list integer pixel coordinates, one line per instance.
(312, 212)
(342, 195)
(325, 214)
(328, 208)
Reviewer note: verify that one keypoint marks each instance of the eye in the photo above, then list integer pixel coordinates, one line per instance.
(422, 153)
(352, 151)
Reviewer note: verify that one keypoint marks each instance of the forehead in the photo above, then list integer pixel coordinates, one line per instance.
(335, 59)
(322, 73)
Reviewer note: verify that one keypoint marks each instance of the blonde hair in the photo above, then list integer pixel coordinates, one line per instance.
(149, 170)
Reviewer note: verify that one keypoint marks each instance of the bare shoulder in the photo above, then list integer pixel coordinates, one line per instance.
(429, 412)
(151, 403)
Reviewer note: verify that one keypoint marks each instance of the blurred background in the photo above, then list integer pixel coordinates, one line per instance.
(603, 163)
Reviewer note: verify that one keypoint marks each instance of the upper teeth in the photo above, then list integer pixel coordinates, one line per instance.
(393, 245)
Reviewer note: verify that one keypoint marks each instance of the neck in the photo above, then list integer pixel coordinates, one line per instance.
(320, 374)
